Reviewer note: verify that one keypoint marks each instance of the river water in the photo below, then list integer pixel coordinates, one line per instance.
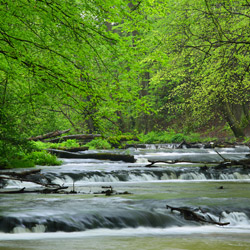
(135, 215)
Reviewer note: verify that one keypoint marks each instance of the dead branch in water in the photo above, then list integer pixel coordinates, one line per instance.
(191, 215)
(32, 176)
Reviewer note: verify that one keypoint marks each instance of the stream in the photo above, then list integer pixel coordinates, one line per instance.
(135, 215)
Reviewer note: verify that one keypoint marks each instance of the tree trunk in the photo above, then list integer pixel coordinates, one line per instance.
(232, 121)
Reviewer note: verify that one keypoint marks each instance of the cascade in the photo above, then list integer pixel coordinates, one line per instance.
(138, 204)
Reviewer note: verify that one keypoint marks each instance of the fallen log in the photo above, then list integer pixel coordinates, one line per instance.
(220, 164)
(32, 176)
(21, 174)
(29, 180)
(48, 135)
(110, 191)
(76, 149)
(20, 191)
(135, 146)
(77, 137)
(191, 215)
(227, 162)
(152, 163)
(98, 156)
(43, 191)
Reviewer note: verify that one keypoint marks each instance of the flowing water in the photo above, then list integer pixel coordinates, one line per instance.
(135, 215)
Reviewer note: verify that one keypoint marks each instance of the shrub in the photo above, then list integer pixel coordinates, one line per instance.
(19, 163)
(65, 144)
(98, 143)
(169, 137)
(71, 143)
(117, 140)
(43, 158)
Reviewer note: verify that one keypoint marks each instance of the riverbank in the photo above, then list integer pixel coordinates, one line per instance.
(33, 153)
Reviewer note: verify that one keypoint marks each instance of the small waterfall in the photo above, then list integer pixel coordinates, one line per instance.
(134, 175)
(35, 229)
(119, 218)
(162, 146)
(138, 176)
(236, 218)
(20, 184)
(192, 176)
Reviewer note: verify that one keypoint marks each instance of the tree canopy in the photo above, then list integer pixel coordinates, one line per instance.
(110, 66)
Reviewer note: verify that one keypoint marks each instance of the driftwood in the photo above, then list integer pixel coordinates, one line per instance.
(98, 156)
(152, 163)
(110, 191)
(220, 164)
(77, 137)
(191, 215)
(48, 135)
(211, 144)
(32, 176)
(227, 162)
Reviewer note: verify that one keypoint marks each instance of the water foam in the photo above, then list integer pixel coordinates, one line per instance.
(130, 232)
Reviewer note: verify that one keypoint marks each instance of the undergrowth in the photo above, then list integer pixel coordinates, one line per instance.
(98, 143)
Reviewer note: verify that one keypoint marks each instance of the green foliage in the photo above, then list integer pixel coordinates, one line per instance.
(43, 158)
(172, 137)
(246, 140)
(25, 154)
(39, 145)
(71, 143)
(117, 140)
(17, 163)
(98, 143)
(29, 159)
(101, 66)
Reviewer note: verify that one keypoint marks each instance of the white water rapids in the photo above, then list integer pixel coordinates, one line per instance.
(137, 209)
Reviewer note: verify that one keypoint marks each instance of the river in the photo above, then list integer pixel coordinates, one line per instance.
(135, 215)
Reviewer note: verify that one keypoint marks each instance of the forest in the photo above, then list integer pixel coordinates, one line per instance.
(121, 67)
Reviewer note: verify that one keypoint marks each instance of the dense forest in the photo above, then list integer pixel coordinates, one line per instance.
(122, 66)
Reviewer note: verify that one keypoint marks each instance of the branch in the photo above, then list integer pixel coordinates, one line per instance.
(191, 215)
(48, 135)
(221, 156)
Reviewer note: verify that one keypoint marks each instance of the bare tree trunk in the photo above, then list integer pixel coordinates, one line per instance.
(232, 121)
